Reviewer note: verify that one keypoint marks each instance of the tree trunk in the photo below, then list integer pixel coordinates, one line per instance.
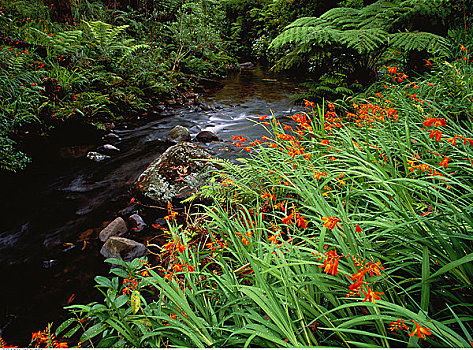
(60, 11)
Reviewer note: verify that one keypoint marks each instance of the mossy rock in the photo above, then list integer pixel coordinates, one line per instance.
(177, 174)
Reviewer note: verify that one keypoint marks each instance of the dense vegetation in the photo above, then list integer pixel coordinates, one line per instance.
(350, 225)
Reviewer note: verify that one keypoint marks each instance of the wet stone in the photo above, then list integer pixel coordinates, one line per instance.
(116, 228)
(97, 157)
(206, 137)
(120, 247)
(137, 223)
(110, 147)
(178, 134)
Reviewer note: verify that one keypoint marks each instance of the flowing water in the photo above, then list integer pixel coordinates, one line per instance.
(51, 214)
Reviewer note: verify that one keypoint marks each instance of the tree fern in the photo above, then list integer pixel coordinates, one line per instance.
(368, 31)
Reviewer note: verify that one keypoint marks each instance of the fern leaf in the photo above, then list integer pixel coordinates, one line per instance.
(364, 40)
(316, 35)
(419, 41)
(307, 22)
(343, 90)
(342, 17)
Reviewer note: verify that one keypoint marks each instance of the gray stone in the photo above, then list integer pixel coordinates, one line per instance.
(97, 157)
(110, 147)
(120, 247)
(247, 65)
(180, 171)
(116, 228)
(137, 223)
(206, 136)
(110, 137)
(178, 133)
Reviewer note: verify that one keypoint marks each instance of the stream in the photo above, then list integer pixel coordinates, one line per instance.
(52, 213)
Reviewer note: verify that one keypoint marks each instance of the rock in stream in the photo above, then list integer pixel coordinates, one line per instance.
(177, 174)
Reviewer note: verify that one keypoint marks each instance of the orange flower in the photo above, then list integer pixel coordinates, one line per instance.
(420, 331)
(331, 263)
(371, 296)
(444, 162)
(399, 324)
(309, 104)
(358, 229)
(287, 220)
(374, 268)
(266, 194)
(177, 267)
(359, 275)
(435, 121)
(453, 140)
(301, 221)
(169, 245)
(3, 343)
(180, 247)
(245, 241)
(437, 134)
(273, 239)
(171, 215)
(356, 286)
(392, 70)
(324, 142)
(295, 151)
(330, 221)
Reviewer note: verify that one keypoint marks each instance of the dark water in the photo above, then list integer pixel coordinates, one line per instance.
(51, 214)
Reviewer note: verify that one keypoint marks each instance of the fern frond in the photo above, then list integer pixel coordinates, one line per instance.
(343, 90)
(131, 50)
(315, 35)
(67, 41)
(364, 40)
(343, 17)
(419, 41)
(104, 32)
(381, 14)
(324, 89)
(307, 22)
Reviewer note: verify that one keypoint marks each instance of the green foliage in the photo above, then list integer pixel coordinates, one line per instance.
(358, 40)
(108, 65)
(331, 86)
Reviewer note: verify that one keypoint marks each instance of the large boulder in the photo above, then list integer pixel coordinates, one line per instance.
(180, 171)
(120, 247)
